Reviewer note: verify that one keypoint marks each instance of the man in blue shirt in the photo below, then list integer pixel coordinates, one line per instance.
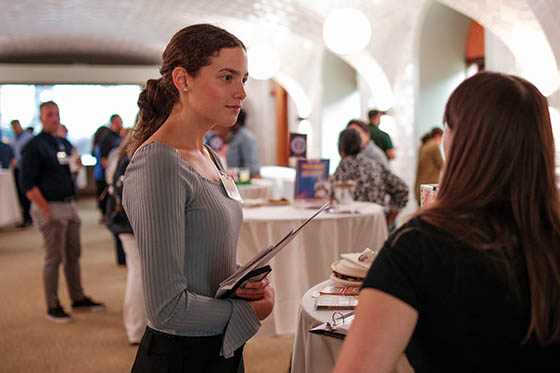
(20, 140)
(242, 147)
(48, 183)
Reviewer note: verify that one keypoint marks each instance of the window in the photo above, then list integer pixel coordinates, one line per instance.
(83, 109)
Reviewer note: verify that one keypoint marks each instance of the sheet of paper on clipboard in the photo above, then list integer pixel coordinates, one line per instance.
(228, 286)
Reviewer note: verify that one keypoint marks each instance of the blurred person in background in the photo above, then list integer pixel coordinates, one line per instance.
(21, 138)
(48, 183)
(369, 149)
(242, 150)
(216, 138)
(430, 161)
(373, 180)
(98, 173)
(107, 142)
(472, 283)
(7, 156)
(62, 131)
(75, 162)
(134, 305)
(379, 137)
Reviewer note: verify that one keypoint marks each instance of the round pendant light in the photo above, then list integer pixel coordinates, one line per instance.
(346, 31)
(264, 62)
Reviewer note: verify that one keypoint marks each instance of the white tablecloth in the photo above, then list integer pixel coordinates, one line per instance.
(307, 259)
(259, 188)
(9, 206)
(314, 353)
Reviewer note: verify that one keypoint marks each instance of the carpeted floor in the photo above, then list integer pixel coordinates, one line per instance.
(93, 342)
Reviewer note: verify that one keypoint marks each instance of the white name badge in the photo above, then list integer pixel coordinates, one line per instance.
(62, 158)
(231, 188)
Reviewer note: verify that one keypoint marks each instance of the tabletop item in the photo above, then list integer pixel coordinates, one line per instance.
(256, 189)
(344, 192)
(337, 328)
(244, 175)
(336, 302)
(352, 268)
(256, 202)
(428, 193)
(312, 181)
(340, 290)
(241, 175)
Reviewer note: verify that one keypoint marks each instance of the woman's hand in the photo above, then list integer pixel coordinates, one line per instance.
(263, 307)
(252, 290)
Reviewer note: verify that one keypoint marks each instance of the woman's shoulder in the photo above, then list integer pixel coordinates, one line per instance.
(417, 232)
(157, 159)
(157, 150)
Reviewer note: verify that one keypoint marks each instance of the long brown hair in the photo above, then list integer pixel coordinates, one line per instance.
(498, 191)
(191, 48)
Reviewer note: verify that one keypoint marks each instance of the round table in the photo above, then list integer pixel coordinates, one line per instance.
(307, 259)
(10, 212)
(314, 353)
(259, 188)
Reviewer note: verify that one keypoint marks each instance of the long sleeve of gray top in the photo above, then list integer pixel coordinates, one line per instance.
(187, 230)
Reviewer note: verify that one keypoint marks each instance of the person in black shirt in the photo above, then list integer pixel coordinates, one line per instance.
(472, 282)
(48, 183)
(109, 141)
(7, 156)
(105, 139)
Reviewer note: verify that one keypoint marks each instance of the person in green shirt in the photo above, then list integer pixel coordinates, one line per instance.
(379, 137)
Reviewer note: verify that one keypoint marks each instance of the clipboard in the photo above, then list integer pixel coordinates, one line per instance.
(228, 286)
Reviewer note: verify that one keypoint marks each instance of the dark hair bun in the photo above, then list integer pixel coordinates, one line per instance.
(155, 101)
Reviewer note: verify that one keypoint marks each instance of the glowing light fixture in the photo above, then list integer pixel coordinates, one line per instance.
(264, 62)
(304, 126)
(346, 31)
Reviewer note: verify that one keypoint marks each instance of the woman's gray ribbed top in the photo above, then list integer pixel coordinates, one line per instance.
(187, 230)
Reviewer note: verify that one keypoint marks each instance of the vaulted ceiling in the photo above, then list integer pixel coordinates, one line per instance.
(136, 31)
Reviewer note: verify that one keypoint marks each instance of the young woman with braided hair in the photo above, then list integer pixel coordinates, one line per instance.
(184, 211)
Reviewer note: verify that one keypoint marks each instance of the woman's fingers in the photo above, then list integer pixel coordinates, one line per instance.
(253, 290)
(257, 284)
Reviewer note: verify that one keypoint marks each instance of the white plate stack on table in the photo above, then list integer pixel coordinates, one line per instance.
(348, 273)
(352, 268)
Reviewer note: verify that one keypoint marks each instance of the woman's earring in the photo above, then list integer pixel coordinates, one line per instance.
(185, 89)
